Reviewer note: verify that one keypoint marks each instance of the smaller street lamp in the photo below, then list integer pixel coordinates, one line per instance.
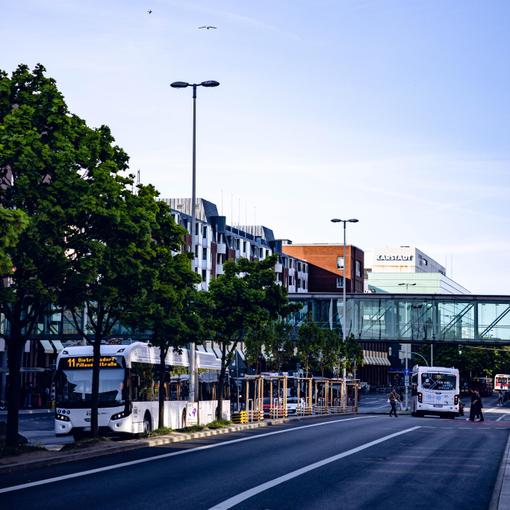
(338, 220)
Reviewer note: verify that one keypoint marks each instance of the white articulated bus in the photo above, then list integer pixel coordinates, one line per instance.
(129, 389)
(435, 390)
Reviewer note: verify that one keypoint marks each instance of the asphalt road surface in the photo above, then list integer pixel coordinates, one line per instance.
(363, 462)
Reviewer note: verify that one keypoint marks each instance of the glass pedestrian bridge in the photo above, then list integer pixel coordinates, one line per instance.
(411, 318)
(401, 318)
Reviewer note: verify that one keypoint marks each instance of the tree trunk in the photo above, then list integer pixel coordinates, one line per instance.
(161, 398)
(221, 384)
(94, 404)
(15, 343)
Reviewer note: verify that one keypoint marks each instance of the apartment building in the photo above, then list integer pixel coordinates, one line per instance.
(215, 242)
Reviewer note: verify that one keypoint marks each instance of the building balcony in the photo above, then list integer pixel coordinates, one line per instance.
(219, 269)
(221, 248)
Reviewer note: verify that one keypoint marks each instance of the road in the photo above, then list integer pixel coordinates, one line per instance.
(362, 462)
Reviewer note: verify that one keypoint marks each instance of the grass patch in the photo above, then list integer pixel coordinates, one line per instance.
(85, 442)
(193, 428)
(8, 451)
(161, 431)
(218, 424)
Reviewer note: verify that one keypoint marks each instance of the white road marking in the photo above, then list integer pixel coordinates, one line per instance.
(501, 417)
(239, 498)
(167, 455)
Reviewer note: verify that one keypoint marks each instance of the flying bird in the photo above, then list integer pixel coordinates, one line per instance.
(150, 11)
(207, 27)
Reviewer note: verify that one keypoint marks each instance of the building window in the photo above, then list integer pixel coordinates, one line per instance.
(204, 232)
(340, 282)
(358, 268)
(204, 275)
(340, 262)
(204, 253)
(196, 250)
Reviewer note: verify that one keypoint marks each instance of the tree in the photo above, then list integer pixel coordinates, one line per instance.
(272, 343)
(115, 240)
(309, 344)
(353, 352)
(43, 149)
(12, 224)
(332, 351)
(242, 300)
(170, 305)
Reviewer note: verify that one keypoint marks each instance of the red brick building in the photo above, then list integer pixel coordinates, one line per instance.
(326, 264)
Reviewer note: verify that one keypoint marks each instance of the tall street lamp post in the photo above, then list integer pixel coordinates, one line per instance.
(406, 374)
(193, 388)
(344, 311)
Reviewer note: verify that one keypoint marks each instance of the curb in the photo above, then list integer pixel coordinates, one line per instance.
(501, 494)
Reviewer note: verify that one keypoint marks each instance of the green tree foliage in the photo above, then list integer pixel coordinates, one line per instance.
(271, 342)
(43, 151)
(169, 305)
(309, 345)
(12, 224)
(332, 352)
(353, 353)
(242, 300)
(115, 243)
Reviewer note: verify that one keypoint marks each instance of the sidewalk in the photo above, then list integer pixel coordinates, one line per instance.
(501, 496)
(31, 411)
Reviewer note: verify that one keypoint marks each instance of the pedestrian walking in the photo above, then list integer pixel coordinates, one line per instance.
(500, 398)
(472, 406)
(478, 407)
(393, 399)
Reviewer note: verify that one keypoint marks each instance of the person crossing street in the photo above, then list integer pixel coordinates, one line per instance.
(393, 399)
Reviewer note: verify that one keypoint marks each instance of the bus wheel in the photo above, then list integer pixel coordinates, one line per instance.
(147, 424)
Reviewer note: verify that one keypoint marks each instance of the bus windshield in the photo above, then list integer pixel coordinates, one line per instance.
(438, 382)
(74, 387)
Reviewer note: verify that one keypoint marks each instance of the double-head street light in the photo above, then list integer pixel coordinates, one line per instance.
(182, 85)
(407, 285)
(344, 314)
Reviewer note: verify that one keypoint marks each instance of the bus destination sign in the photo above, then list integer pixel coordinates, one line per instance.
(88, 361)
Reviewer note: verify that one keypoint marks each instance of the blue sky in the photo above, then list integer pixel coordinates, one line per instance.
(396, 112)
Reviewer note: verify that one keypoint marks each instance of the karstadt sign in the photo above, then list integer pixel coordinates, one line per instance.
(394, 258)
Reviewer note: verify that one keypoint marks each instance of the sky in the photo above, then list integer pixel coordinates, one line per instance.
(394, 112)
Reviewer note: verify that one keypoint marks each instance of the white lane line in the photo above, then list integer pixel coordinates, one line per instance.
(173, 454)
(239, 498)
(501, 417)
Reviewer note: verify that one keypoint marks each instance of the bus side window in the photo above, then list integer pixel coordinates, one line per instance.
(414, 385)
(135, 386)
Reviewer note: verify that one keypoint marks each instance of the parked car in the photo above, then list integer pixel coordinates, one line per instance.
(295, 404)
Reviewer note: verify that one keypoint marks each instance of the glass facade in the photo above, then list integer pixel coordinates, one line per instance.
(412, 318)
(402, 318)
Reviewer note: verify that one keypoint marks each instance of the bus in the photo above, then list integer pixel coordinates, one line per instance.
(501, 382)
(129, 389)
(435, 391)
